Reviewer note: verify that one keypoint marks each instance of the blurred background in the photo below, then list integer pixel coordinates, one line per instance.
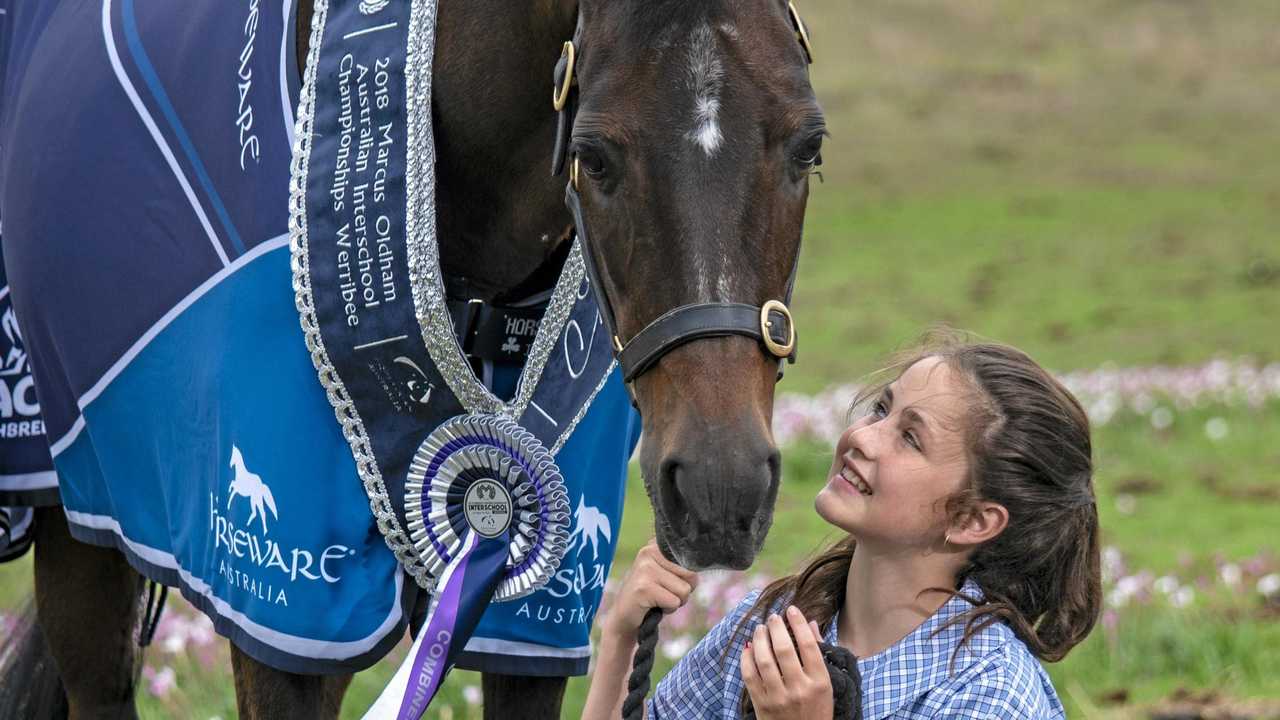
(1093, 181)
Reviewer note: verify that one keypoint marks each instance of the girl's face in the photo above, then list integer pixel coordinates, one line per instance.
(895, 467)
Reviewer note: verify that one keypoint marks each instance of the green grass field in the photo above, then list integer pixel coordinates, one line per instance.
(1084, 180)
(1092, 181)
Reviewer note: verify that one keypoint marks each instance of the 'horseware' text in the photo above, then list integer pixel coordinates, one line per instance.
(244, 122)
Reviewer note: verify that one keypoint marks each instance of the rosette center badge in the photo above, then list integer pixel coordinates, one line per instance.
(485, 474)
(487, 506)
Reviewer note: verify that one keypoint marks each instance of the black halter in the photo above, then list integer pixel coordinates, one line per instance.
(769, 324)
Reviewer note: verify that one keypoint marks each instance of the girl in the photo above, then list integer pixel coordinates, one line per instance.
(967, 497)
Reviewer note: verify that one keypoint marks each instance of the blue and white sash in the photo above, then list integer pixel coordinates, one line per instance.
(372, 304)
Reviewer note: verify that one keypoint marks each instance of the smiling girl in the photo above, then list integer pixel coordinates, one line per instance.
(965, 491)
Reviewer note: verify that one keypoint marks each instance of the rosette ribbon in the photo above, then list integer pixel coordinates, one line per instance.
(489, 517)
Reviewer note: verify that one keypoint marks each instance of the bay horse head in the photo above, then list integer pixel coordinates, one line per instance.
(690, 138)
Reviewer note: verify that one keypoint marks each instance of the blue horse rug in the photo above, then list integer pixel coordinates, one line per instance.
(144, 179)
(27, 478)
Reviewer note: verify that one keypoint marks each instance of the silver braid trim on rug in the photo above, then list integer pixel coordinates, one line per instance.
(425, 277)
(573, 424)
(551, 330)
(353, 429)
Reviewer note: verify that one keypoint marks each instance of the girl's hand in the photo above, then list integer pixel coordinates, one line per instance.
(653, 581)
(785, 679)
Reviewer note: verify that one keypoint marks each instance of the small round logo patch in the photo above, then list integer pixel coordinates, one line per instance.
(487, 505)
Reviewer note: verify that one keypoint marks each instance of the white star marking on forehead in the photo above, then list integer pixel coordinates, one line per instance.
(706, 78)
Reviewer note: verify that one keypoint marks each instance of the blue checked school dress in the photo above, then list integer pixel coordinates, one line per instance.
(994, 674)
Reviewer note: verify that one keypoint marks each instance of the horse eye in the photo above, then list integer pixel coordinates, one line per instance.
(591, 161)
(810, 154)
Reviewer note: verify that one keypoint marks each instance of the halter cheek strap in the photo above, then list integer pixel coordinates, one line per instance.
(769, 324)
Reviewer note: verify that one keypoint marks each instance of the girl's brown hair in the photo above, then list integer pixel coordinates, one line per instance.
(1029, 450)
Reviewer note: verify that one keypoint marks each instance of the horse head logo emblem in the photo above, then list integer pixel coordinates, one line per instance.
(418, 386)
(589, 525)
(250, 485)
(16, 362)
(486, 492)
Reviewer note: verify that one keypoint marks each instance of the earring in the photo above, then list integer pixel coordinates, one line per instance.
(946, 539)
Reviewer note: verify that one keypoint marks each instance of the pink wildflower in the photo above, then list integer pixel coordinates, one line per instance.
(160, 682)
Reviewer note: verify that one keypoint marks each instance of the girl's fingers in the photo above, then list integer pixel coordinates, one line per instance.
(687, 575)
(652, 552)
(766, 663)
(814, 627)
(750, 676)
(651, 577)
(806, 640)
(784, 650)
(673, 584)
(663, 598)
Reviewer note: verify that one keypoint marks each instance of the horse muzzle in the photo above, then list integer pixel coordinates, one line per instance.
(710, 464)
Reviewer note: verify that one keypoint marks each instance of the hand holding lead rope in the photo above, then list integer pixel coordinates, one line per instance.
(656, 585)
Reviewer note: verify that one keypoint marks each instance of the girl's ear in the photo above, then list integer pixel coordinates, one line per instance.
(982, 523)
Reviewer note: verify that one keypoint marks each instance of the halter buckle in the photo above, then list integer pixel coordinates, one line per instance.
(780, 350)
(560, 96)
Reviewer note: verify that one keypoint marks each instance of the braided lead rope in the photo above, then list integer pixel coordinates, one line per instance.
(642, 665)
(846, 682)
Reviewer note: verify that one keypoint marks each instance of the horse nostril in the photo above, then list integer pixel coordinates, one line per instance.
(673, 505)
(758, 489)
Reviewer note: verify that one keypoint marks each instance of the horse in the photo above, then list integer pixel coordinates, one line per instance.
(695, 136)
(591, 525)
(250, 485)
